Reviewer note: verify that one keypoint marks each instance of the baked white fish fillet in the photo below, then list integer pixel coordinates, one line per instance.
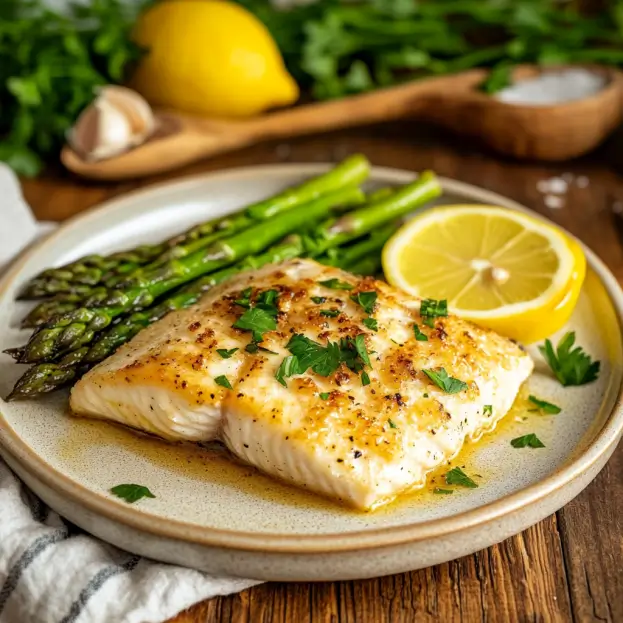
(361, 444)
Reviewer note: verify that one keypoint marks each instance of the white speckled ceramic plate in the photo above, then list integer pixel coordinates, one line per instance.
(221, 517)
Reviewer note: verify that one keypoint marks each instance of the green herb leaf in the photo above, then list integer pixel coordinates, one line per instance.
(336, 284)
(431, 309)
(223, 381)
(449, 384)
(419, 336)
(323, 360)
(527, 441)
(288, 367)
(331, 313)
(371, 323)
(226, 354)
(131, 493)
(456, 476)
(571, 366)
(324, 395)
(440, 491)
(367, 300)
(362, 351)
(487, 410)
(319, 299)
(365, 379)
(257, 320)
(544, 406)
(245, 298)
(391, 424)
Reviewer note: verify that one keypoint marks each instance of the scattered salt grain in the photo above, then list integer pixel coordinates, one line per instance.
(582, 181)
(555, 202)
(283, 151)
(617, 207)
(554, 185)
(568, 177)
(553, 87)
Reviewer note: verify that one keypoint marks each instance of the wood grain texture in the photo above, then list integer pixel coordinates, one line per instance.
(567, 568)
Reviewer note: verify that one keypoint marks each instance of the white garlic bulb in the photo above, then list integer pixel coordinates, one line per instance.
(117, 120)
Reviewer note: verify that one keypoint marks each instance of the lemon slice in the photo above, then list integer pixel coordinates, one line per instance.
(500, 268)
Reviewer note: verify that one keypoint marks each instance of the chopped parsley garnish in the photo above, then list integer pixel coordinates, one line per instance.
(223, 381)
(319, 299)
(425, 395)
(268, 298)
(254, 348)
(449, 384)
(245, 298)
(456, 476)
(431, 309)
(544, 406)
(365, 379)
(371, 323)
(336, 284)
(323, 360)
(362, 351)
(256, 320)
(487, 410)
(324, 395)
(226, 354)
(419, 336)
(527, 441)
(571, 366)
(288, 367)
(440, 491)
(331, 313)
(367, 300)
(391, 424)
(132, 493)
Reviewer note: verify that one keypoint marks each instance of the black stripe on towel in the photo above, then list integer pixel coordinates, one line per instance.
(96, 582)
(30, 553)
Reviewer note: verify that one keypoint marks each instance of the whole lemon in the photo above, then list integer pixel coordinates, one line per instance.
(210, 57)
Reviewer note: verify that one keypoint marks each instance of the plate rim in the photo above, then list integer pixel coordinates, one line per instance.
(602, 444)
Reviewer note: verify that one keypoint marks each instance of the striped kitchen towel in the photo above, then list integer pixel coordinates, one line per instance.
(50, 570)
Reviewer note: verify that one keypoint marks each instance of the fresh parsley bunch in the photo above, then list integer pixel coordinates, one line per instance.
(50, 63)
(337, 48)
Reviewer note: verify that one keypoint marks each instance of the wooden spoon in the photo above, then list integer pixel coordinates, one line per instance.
(553, 132)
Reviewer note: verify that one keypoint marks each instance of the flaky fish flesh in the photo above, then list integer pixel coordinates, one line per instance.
(350, 392)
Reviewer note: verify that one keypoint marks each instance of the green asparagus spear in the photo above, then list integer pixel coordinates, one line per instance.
(351, 172)
(46, 377)
(77, 328)
(336, 231)
(344, 257)
(46, 310)
(93, 269)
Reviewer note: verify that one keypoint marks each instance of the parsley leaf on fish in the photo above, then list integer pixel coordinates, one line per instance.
(371, 323)
(431, 309)
(419, 336)
(336, 284)
(449, 384)
(223, 381)
(226, 354)
(367, 300)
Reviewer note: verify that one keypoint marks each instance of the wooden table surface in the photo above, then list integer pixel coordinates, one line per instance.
(569, 567)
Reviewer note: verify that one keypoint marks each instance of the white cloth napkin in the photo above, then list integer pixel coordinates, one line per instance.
(51, 571)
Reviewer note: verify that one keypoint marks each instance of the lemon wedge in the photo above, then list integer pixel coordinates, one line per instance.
(500, 268)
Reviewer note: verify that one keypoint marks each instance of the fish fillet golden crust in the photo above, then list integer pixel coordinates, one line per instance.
(361, 444)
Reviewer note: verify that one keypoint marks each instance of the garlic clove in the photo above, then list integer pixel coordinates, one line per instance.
(134, 107)
(115, 121)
